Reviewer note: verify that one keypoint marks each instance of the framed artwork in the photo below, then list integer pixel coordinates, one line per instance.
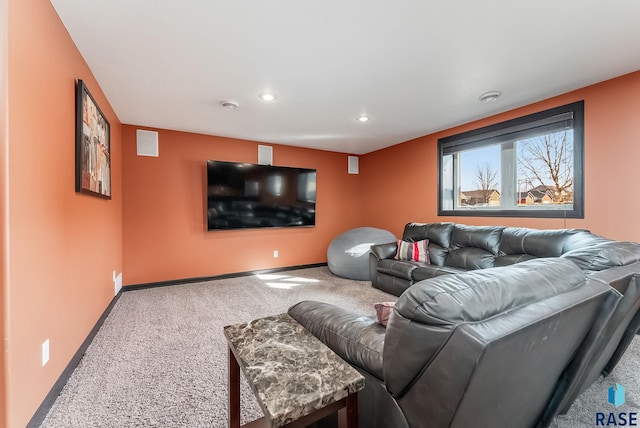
(93, 146)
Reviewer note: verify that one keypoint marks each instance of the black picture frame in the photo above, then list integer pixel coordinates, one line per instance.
(93, 146)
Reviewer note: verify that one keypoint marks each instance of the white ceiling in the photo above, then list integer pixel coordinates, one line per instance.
(414, 66)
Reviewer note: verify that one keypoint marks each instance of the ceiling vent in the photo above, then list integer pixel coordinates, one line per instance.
(229, 105)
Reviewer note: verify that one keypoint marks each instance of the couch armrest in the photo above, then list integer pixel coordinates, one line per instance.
(357, 339)
(385, 251)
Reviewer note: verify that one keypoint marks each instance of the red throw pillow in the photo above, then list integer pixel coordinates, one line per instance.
(416, 251)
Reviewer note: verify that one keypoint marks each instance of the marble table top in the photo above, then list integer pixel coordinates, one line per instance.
(291, 372)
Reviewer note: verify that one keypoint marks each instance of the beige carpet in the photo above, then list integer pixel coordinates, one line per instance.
(160, 359)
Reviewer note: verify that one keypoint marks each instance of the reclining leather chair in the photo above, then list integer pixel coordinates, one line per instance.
(484, 348)
(605, 343)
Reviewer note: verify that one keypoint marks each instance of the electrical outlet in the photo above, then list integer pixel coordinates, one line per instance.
(117, 282)
(45, 352)
(275, 254)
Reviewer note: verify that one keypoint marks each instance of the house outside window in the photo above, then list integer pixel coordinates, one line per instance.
(526, 167)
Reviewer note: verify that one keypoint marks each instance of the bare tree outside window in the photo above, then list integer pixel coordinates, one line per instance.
(530, 166)
(546, 162)
(486, 179)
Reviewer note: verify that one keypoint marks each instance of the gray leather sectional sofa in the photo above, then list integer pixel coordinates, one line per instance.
(457, 248)
(505, 327)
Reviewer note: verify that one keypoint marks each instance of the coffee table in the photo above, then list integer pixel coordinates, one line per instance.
(296, 378)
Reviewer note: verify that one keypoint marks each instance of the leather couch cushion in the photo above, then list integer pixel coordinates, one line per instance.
(399, 268)
(384, 251)
(391, 284)
(583, 238)
(478, 295)
(431, 271)
(605, 255)
(470, 258)
(484, 237)
(438, 234)
(538, 243)
(512, 259)
(357, 339)
(474, 247)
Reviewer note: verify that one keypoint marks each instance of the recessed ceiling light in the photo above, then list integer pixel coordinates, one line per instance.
(229, 105)
(490, 96)
(267, 96)
(362, 118)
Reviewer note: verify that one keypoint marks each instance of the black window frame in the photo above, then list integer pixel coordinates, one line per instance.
(495, 133)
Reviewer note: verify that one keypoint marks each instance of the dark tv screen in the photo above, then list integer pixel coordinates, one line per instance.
(247, 196)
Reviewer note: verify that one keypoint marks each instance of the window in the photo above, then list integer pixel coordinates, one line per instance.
(307, 187)
(275, 184)
(526, 167)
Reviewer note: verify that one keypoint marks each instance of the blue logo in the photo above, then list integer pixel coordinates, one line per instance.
(616, 395)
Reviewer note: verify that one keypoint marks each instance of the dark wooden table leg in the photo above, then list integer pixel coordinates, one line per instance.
(234, 391)
(348, 416)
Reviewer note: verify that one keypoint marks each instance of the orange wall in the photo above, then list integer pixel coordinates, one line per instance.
(165, 235)
(406, 174)
(59, 248)
(164, 213)
(3, 195)
(63, 246)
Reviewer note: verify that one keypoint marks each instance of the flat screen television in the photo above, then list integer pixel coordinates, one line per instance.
(247, 196)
